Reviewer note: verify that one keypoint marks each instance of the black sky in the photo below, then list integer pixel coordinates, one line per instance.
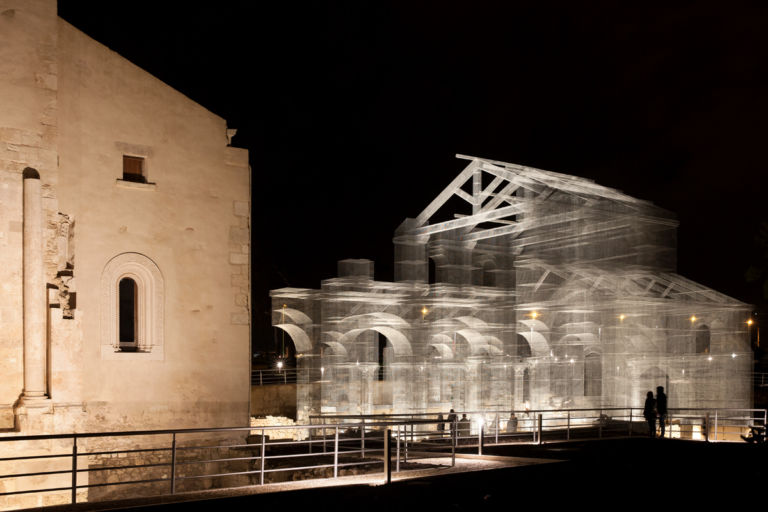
(353, 112)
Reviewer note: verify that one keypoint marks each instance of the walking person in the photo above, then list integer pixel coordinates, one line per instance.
(649, 413)
(661, 408)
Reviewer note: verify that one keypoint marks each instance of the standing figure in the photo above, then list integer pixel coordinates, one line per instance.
(452, 423)
(441, 425)
(512, 423)
(649, 413)
(661, 408)
(464, 427)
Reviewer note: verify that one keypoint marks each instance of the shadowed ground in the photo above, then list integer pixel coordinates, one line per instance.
(599, 475)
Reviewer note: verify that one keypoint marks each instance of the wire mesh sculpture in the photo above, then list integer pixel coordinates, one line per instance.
(518, 288)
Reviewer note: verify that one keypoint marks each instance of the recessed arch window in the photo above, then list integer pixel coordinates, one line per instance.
(132, 305)
(128, 294)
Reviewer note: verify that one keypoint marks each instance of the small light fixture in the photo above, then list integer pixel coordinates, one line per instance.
(534, 314)
(733, 355)
(750, 322)
(622, 317)
(279, 365)
(693, 318)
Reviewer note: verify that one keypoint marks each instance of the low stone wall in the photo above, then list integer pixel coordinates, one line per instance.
(274, 400)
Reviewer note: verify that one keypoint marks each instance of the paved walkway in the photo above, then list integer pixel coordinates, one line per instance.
(438, 466)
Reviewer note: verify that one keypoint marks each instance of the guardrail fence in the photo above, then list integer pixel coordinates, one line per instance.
(70, 468)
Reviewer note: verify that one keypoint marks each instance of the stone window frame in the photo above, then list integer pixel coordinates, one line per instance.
(135, 151)
(150, 307)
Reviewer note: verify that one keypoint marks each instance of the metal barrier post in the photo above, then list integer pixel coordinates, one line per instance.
(362, 439)
(336, 453)
(600, 425)
(568, 428)
(74, 469)
(715, 424)
(397, 460)
(405, 444)
(706, 427)
(310, 435)
(261, 381)
(497, 429)
(453, 444)
(388, 455)
(539, 436)
(630, 422)
(325, 433)
(173, 464)
(263, 450)
(669, 423)
(480, 440)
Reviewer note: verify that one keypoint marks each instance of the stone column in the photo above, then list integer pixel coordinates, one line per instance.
(34, 291)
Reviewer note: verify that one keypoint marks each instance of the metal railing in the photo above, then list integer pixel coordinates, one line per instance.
(274, 376)
(539, 426)
(162, 462)
(112, 465)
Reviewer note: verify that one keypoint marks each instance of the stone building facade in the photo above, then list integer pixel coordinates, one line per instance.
(124, 242)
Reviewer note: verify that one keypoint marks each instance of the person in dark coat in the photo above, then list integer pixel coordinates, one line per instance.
(452, 422)
(649, 413)
(661, 408)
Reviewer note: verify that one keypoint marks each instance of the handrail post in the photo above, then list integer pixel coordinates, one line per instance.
(362, 439)
(706, 427)
(74, 469)
(600, 424)
(540, 421)
(173, 464)
(480, 439)
(405, 444)
(388, 455)
(397, 463)
(568, 428)
(630, 422)
(261, 379)
(669, 422)
(310, 435)
(453, 443)
(336, 453)
(715, 424)
(263, 452)
(497, 429)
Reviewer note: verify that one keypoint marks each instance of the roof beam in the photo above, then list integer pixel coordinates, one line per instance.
(446, 194)
(468, 221)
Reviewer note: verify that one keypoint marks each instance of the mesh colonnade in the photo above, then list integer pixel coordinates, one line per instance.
(518, 288)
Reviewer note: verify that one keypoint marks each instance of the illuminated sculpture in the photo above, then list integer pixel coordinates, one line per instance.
(544, 291)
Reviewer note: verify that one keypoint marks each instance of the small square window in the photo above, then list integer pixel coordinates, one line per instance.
(133, 169)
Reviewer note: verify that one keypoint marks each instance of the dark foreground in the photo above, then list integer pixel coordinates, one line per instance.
(626, 474)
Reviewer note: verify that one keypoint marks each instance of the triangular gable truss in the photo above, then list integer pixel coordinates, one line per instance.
(513, 190)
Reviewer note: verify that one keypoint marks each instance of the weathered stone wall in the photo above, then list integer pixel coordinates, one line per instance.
(28, 138)
(274, 400)
(71, 108)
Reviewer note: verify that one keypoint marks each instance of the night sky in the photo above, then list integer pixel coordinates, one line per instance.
(353, 112)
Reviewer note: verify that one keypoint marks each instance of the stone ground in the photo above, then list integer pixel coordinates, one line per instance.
(618, 473)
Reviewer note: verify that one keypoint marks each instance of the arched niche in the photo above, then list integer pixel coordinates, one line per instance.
(142, 276)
